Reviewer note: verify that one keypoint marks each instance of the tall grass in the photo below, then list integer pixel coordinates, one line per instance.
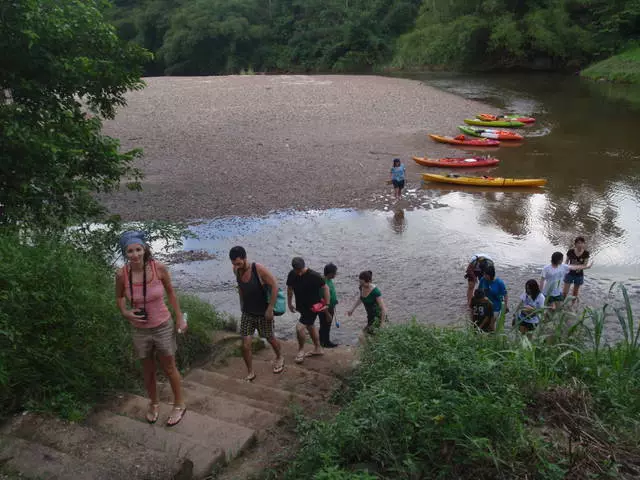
(63, 344)
(442, 403)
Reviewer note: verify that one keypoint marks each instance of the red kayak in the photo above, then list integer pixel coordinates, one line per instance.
(487, 117)
(457, 162)
(462, 140)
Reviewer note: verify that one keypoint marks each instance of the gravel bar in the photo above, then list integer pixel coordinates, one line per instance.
(247, 145)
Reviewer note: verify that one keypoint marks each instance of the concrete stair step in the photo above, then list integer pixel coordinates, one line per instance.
(207, 401)
(295, 379)
(202, 439)
(36, 461)
(177, 447)
(122, 460)
(335, 361)
(236, 386)
(239, 399)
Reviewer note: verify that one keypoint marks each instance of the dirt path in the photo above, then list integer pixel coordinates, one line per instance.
(243, 145)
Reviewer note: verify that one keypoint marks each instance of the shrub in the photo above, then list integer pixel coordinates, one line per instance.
(443, 403)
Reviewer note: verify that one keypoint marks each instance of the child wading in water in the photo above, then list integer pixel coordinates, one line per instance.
(397, 177)
(552, 277)
(527, 311)
(481, 310)
(575, 256)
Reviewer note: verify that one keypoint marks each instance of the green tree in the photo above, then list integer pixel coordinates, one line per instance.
(63, 69)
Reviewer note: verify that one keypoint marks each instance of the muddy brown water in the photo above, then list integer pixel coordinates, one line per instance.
(585, 142)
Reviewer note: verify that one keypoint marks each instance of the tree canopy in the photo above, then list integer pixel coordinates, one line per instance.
(63, 69)
(227, 36)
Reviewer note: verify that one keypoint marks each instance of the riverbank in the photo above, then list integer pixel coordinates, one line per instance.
(243, 145)
(443, 403)
(621, 68)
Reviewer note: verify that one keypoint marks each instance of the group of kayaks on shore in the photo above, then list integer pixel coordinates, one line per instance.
(483, 128)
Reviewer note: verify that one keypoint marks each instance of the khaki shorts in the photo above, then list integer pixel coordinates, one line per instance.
(160, 338)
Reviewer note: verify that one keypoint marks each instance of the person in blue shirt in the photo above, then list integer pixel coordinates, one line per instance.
(397, 177)
(496, 291)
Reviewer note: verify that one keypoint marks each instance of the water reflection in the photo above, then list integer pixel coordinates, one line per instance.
(398, 221)
(419, 269)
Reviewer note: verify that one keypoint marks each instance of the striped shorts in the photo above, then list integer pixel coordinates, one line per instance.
(161, 339)
(249, 323)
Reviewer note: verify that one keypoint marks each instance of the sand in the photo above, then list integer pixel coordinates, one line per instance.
(247, 145)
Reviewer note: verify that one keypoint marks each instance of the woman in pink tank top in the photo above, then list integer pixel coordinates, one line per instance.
(140, 289)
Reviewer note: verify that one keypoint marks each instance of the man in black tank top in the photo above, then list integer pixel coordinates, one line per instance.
(253, 279)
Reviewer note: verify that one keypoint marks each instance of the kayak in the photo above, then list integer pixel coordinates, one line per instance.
(475, 142)
(485, 181)
(490, 133)
(496, 123)
(516, 117)
(457, 162)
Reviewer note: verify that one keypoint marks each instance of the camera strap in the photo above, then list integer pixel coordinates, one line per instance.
(144, 285)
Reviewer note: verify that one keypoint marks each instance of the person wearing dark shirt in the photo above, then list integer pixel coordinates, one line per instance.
(479, 262)
(307, 287)
(575, 256)
(481, 310)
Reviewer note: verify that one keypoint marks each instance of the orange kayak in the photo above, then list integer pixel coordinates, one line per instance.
(462, 140)
(487, 117)
(457, 162)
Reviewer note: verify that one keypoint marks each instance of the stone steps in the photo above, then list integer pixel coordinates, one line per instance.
(85, 444)
(225, 417)
(227, 407)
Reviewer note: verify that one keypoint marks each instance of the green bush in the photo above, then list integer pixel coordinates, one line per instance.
(444, 403)
(63, 343)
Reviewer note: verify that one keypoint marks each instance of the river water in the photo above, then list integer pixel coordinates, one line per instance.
(585, 143)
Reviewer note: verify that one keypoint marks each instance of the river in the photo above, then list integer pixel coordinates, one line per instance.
(584, 142)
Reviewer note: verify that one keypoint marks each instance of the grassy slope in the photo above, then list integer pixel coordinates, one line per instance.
(442, 403)
(622, 68)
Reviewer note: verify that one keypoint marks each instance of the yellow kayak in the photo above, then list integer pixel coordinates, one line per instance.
(498, 182)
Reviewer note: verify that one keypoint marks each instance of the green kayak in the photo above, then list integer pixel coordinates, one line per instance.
(499, 123)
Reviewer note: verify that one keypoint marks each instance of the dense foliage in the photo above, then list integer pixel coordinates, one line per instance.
(60, 60)
(228, 36)
(63, 343)
(444, 403)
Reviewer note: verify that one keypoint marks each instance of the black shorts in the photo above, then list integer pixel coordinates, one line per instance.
(308, 318)
(529, 326)
(398, 184)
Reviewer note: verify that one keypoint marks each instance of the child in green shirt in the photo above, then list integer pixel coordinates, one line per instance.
(327, 316)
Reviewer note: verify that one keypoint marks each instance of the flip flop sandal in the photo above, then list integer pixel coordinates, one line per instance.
(152, 413)
(176, 415)
(278, 367)
(300, 357)
(250, 378)
(313, 354)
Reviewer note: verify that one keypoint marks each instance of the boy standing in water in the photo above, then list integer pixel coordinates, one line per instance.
(481, 310)
(575, 256)
(397, 177)
(552, 277)
(326, 317)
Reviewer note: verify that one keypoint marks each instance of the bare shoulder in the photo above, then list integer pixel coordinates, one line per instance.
(161, 268)
(262, 270)
(120, 273)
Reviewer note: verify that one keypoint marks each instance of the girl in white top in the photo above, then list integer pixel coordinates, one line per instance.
(528, 310)
(553, 278)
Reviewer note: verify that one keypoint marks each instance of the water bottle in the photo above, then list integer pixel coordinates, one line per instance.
(337, 323)
(185, 316)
